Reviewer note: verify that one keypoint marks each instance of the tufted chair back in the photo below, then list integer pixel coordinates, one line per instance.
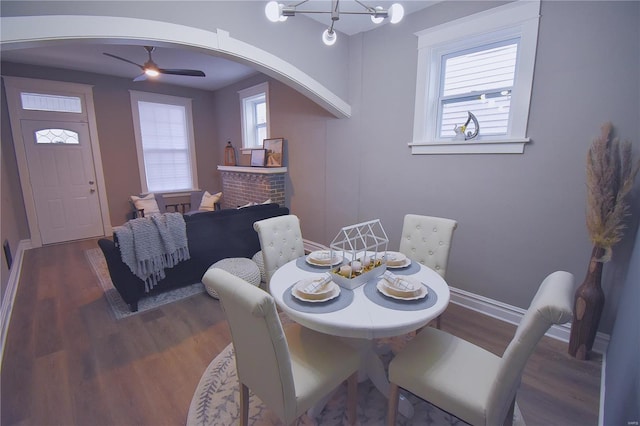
(427, 240)
(280, 241)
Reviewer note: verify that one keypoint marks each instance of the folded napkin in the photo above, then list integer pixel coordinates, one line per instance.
(323, 257)
(317, 285)
(395, 258)
(398, 282)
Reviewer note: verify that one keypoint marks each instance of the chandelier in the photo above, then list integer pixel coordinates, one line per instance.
(278, 12)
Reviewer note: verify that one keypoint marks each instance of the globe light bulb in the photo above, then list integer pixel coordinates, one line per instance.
(272, 10)
(396, 13)
(329, 37)
(377, 20)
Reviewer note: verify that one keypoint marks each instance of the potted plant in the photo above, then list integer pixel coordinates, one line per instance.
(610, 175)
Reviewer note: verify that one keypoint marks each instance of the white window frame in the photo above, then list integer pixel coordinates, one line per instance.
(248, 97)
(517, 19)
(136, 97)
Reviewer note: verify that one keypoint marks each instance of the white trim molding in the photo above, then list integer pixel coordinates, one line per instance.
(513, 315)
(35, 31)
(10, 293)
(518, 19)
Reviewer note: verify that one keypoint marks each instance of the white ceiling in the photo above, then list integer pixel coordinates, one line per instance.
(219, 72)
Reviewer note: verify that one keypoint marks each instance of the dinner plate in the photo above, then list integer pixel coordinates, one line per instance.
(332, 294)
(382, 289)
(392, 256)
(407, 262)
(314, 258)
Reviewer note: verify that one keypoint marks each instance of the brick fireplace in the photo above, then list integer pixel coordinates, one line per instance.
(242, 185)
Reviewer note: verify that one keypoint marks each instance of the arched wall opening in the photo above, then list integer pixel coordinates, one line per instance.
(38, 31)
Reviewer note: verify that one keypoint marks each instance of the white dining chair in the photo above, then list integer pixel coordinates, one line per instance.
(427, 240)
(468, 381)
(280, 241)
(288, 369)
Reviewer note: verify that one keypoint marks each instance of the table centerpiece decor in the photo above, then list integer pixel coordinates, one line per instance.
(363, 246)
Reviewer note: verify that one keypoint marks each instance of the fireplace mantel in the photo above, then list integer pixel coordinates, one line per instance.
(255, 170)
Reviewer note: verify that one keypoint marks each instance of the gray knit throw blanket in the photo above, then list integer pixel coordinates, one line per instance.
(148, 245)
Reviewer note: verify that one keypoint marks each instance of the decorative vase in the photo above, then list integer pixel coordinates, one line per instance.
(589, 301)
(229, 155)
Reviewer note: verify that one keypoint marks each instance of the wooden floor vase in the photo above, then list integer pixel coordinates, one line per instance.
(589, 301)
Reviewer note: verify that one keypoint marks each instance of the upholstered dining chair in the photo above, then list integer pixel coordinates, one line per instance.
(289, 370)
(280, 241)
(467, 381)
(427, 240)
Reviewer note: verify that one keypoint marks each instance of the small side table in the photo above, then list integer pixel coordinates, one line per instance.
(241, 267)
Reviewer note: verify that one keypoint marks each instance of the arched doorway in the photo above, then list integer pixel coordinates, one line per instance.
(34, 31)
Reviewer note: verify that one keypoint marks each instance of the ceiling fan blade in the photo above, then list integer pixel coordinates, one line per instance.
(190, 73)
(141, 77)
(123, 59)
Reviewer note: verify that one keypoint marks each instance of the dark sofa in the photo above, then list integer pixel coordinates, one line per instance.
(211, 236)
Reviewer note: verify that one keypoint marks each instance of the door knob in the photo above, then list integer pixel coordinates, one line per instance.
(91, 182)
(92, 190)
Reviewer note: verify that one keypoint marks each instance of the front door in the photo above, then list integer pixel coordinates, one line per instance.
(63, 180)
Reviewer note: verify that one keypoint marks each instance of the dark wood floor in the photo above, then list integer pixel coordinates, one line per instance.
(69, 362)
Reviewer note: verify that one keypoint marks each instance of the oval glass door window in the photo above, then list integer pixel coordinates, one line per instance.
(57, 136)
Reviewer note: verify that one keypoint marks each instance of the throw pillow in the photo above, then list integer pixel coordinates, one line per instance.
(209, 201)
(147, 203)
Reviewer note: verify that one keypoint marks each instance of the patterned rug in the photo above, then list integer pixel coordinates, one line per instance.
(215, 401)
(118, 306)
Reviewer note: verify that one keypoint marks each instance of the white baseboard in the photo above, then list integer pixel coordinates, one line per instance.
(10, 293)
(513, 315)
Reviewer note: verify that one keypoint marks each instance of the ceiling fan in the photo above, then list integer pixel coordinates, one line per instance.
(150, 69)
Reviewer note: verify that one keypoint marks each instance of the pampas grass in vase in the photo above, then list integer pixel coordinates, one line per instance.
(610, 175)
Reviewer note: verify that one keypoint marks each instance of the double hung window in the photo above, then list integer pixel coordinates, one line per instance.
(481, 64)
(254, 104)
(163, 128)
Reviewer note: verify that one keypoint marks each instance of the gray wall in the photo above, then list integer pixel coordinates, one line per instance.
(520, 216)
(622, 380)
(13, 223)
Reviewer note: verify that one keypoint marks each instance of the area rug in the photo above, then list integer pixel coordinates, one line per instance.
(216, 402)
(119, 307)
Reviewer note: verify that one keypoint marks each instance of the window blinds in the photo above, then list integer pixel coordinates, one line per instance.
(479, 80)
(165, 145)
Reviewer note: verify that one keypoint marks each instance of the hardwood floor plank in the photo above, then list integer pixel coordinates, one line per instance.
(68, 361)
(51, 391)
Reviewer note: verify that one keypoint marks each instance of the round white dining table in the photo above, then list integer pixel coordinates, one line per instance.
(362, 314)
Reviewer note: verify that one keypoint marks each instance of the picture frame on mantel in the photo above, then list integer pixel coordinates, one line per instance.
(258, 157)
(274, 151)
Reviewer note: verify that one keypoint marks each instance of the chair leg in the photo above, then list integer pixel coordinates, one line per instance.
(352, 398)
(244, 405)
(392, 410)
(508, 421)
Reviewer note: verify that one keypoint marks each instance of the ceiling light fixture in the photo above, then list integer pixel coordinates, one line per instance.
(278, 12)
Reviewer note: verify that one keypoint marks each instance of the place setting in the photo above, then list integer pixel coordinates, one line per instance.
(403, 293)
(318, 294)
(400, 263)
(319, 260)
